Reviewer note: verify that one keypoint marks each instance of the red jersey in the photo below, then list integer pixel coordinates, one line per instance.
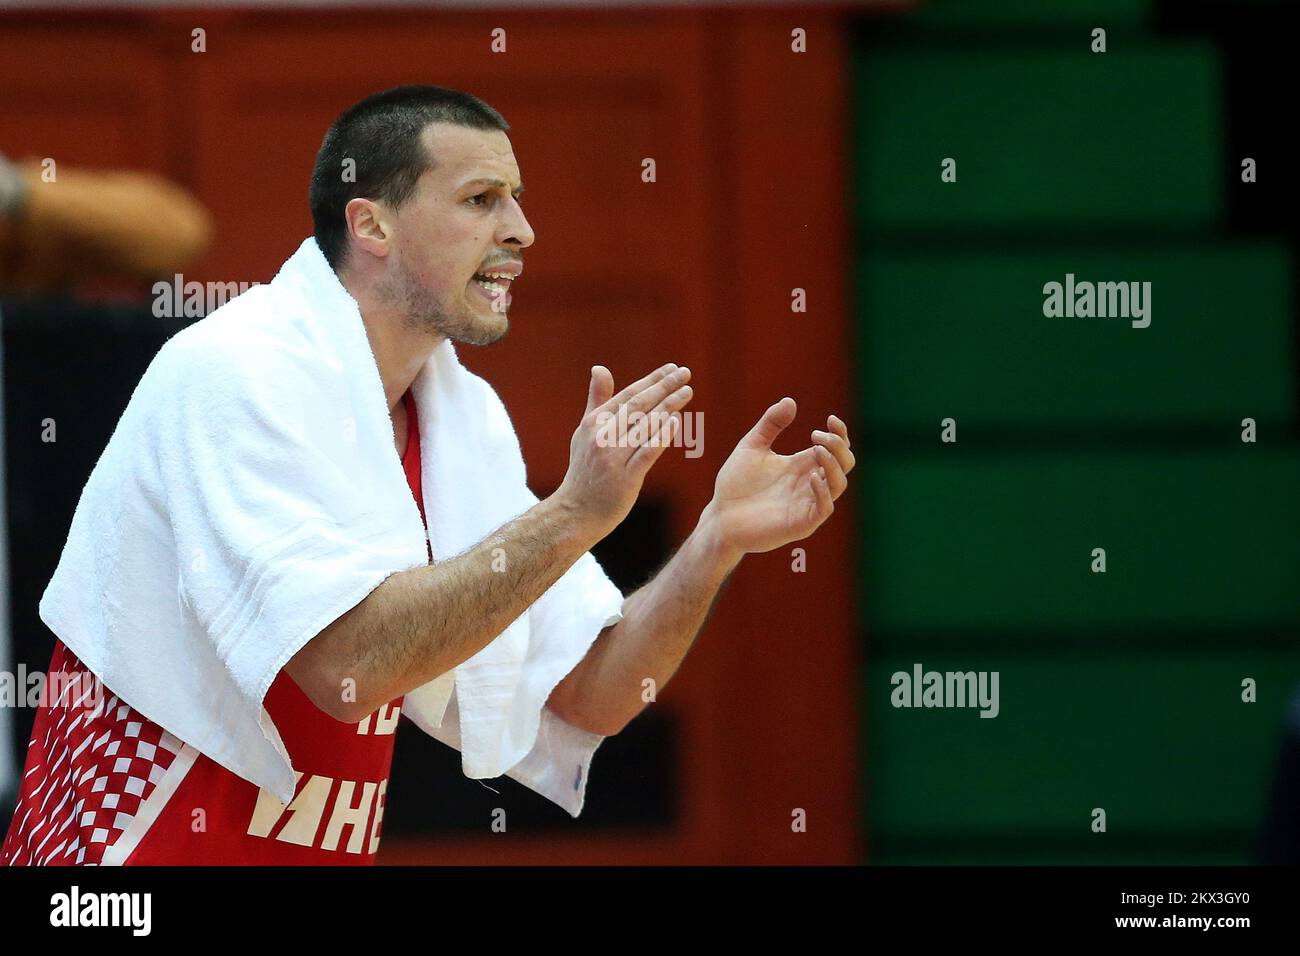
(105, 785)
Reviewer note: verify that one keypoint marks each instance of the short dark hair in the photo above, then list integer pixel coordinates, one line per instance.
(381, 134)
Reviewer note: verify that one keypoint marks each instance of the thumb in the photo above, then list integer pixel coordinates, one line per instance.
(601, 387)
(774, 421)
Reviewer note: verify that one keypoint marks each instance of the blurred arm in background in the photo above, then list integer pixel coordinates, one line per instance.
(84, 224)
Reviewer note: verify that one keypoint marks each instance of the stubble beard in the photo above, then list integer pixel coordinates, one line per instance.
(420, 310)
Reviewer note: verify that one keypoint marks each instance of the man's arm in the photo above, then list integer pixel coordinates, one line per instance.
(421, 623)
(92, 222)
(660, 623)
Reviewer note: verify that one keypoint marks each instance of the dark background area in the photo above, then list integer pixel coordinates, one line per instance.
(1119, 690)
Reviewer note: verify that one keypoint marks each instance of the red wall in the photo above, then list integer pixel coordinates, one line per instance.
(697, 268)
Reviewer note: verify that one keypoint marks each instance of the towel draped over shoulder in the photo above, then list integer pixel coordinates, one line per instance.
(251, 494)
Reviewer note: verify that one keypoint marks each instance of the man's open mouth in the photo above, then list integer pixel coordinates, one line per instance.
(494, 283)
(495, 287)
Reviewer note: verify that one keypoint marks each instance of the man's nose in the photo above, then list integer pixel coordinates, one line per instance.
(515, 227)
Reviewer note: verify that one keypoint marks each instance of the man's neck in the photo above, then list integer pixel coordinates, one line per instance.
(400, 351)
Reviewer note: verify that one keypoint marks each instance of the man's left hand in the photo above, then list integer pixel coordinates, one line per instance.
(762, 500)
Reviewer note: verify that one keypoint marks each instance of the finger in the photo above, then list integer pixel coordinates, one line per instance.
(837, 447)
(600, 387)
(837, 425)
(646, 455)
(649, 423)
(822, 492)
(835, 476)
(774, 421)
(672, 402)
(640, 384)
(655, 393)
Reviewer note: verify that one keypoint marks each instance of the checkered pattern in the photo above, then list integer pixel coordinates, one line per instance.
(88, 771)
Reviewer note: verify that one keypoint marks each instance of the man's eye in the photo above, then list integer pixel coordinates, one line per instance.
(472, 199)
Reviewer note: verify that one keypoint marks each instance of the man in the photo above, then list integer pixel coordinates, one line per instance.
(504, 639)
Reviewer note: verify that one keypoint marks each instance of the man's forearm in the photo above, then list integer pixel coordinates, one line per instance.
(421, 623)
(660, 623)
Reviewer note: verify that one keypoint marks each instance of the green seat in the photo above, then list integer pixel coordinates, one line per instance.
(963, 335)
(991, 542)
(1161, 741)
(1044, 137)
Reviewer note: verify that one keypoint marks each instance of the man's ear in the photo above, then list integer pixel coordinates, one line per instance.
(369, 225)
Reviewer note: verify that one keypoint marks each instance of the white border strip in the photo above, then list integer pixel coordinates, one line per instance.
(120, 851)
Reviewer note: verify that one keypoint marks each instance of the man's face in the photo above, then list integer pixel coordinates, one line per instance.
(463, 220)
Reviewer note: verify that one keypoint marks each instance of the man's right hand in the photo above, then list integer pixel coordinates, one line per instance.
(608, 462)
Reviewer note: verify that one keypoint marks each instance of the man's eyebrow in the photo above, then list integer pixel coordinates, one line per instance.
(492, 182)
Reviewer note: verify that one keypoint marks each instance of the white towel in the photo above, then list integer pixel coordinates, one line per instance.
(251, 494)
